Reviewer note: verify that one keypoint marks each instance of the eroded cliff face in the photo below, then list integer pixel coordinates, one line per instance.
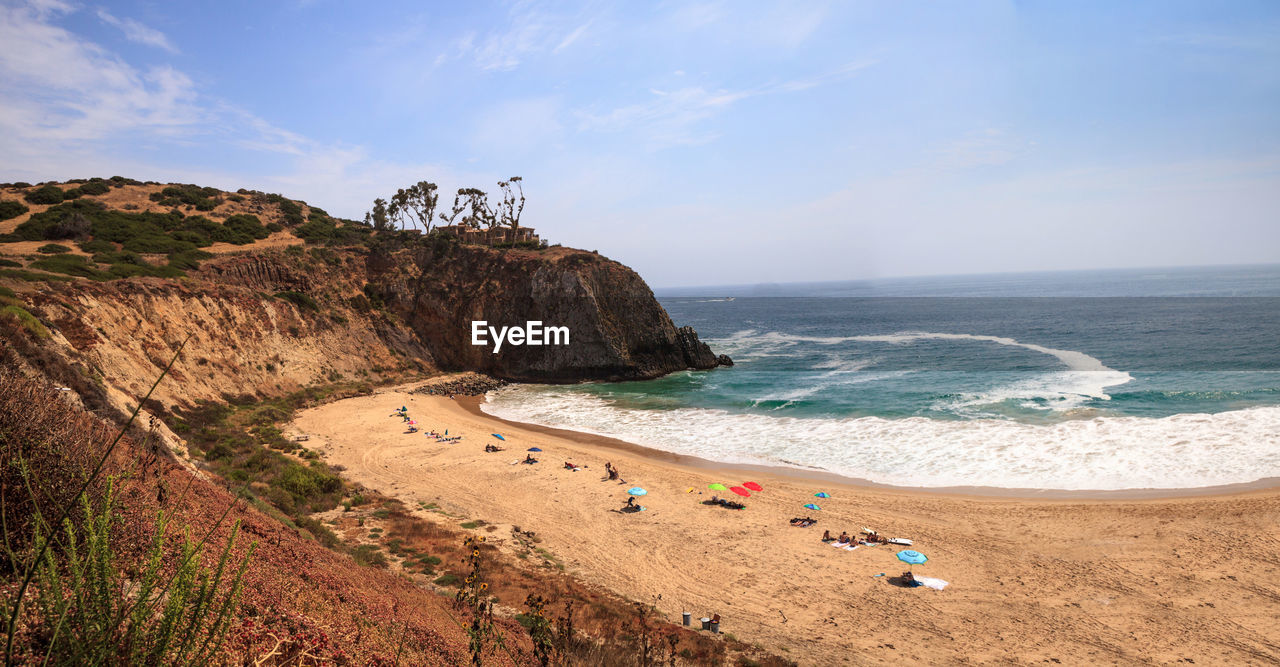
(617, 329)
(271, 322)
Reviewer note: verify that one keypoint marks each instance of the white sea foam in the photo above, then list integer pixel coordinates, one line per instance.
(1084, 378)
(1181, 451)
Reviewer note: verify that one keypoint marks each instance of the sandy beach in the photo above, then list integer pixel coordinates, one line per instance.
(1182, 579)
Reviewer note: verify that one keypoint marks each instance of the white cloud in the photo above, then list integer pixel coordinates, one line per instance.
(137, 32)
(571, 37)
(59, 87)
(68, 101)
(671, 117)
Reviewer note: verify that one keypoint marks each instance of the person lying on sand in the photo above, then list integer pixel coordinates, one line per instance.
(492, 448)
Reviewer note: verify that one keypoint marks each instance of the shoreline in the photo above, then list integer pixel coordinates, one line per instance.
(472, 404)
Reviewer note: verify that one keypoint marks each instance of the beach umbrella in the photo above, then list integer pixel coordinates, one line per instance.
(535, 449)
(812, 507)
(636, 491)
(912, 557)
(740, 491)
(717, 487)
(822, 494)
(753, 486)
(494, 435)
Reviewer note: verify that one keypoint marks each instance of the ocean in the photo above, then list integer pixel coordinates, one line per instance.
(1084, 380)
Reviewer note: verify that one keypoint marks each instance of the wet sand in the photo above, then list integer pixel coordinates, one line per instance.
(1080, 578)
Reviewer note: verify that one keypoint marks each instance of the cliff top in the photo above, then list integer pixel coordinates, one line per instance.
(109, 228)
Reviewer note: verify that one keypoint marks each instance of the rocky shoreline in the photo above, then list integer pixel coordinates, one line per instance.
(468, 384)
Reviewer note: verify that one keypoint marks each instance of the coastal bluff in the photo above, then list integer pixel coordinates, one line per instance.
(617, 329)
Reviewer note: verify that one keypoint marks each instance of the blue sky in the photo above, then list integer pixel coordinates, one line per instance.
(700, 143)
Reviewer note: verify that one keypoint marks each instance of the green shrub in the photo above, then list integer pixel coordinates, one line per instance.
(11, 209)
(71, 193)
(72, 265)
(154, 614)
(369, 555)
(243, 225)
(448, 579)
(31, 276)
(9, 262)
(49, 194)
(26, 319)
(291, 212)
(299, 299)
(97, 246)
(95, 187)
(52, 249)
(188, 260)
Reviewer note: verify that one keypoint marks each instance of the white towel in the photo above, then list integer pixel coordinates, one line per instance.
(851, 548)
(930, 582)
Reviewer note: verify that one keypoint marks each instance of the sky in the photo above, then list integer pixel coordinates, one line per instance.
(700, 143)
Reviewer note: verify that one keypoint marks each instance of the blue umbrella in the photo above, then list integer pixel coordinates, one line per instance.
(636, 491)
(498, 437)
(812, 507)
(912, 557)
(535, 449)
(822, 494)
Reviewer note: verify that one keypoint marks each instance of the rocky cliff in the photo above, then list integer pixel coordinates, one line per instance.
(616, 328)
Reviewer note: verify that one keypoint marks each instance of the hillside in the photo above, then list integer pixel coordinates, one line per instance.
(271, 305)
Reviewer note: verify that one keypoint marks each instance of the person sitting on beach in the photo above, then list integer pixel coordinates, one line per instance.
(826, 536)
(843, 539)
(613, 472)
(631, 502)
(909, 579)
(528, 458)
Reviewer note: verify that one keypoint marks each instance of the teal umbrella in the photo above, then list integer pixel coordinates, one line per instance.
(636, 491)
(822, 494)
(812, 507)
(912, 557)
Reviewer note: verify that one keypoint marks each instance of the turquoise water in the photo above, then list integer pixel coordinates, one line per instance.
(1009, 389)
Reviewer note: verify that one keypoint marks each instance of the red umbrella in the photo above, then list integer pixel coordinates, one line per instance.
(753, 486)
(740, 491)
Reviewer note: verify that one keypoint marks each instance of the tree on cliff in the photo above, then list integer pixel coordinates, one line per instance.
(511, 207)
(377, 218)
(415, 204)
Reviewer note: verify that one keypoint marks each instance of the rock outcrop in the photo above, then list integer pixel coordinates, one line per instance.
(617, 330)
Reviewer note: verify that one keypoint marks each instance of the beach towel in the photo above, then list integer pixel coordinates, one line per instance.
(900, 540)
(851, 547)
(930, 582)
(839, 546)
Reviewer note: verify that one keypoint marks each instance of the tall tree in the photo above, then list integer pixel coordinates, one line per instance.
(415, 205)
(377, 218)
(511, 207)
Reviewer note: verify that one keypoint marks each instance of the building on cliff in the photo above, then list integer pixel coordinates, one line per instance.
(492, 236)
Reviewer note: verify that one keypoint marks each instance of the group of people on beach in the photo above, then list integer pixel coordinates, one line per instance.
(403, 413)
(870, 537)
